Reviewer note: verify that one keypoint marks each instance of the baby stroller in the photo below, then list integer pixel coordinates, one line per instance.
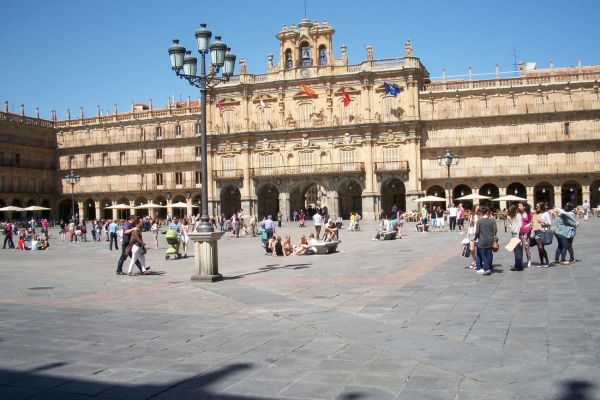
(173, 241)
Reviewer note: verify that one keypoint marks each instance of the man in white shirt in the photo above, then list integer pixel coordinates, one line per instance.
(318, 219)
(452, 214)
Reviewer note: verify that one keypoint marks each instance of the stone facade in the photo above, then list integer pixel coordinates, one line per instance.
(272, 148)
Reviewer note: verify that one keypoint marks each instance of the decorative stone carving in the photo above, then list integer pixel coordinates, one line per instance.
(347, 138)
(305, 140)
(289, 121)
(319, 118)
(391, 136)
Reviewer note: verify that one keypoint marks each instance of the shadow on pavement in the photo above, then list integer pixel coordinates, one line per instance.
(269, 268)
(576, 390)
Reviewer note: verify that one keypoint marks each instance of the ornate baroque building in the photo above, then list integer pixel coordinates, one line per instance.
(536, 135)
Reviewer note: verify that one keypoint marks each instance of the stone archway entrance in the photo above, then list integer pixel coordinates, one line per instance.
(268, 201)
(393, 192)
(571, 193)
(350, 197)
(308, 198)
(460, 191)
(544, 192)
(65, 209)
(231, 200)
(90, 209)
(595, 194)
(161, 212)
(490, 190)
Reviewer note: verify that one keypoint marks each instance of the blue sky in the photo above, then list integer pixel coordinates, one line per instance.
(63, 54)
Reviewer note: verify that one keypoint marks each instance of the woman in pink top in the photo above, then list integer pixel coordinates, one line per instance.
(525, 211)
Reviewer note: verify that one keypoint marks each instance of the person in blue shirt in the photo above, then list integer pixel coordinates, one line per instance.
(112, 232)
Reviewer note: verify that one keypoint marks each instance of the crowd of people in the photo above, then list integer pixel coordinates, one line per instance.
(27, 238)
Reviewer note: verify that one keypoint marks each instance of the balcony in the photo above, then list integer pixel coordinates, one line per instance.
(505, 170)
(391, 166)
(225, 174)
(314, 169)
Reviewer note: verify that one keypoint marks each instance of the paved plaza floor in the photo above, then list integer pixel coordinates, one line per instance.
(399, 319)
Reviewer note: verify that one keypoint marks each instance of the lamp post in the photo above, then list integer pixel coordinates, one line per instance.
(448, 159)
(185, 66)
(72, 179)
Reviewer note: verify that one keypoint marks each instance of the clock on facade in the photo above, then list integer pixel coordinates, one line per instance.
(304, 73)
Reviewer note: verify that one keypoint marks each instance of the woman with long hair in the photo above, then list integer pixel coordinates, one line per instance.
(541, 222)
(564, 232)
(526, 218)
(515, 219)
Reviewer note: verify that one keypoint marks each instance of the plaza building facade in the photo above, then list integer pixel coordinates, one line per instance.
(273, 147)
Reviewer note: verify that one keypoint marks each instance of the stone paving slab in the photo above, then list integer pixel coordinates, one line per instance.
(398, 319)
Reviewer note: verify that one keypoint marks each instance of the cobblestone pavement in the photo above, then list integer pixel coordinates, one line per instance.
(397, 319)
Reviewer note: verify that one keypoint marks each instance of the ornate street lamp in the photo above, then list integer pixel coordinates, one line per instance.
(72, 179)
(185, 66)
(222, 62)
(448, 159)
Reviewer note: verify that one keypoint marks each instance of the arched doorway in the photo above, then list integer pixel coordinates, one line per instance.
(106, 212)
(460, 191)
(489, 190)
(595, 194)
(65, 209)
(436, 191)
(268, 201)
(393, 192)
(179, 212)
(517, 189)
(308, 198)
(350, 197)
(544, 192)
(571, 193)
(89, 206)
(160, 213)
(231, 200)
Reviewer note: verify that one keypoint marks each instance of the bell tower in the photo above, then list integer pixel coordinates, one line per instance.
(305, 45)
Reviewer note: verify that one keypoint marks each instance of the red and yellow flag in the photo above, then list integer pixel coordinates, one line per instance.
(307, 90)
(347, 99)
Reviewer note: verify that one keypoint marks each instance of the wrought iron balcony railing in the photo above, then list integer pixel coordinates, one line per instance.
(314, 169)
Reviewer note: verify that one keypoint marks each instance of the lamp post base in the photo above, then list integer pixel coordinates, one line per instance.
(206, 259)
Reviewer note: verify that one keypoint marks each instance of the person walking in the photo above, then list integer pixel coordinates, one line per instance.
(8, 234)
(318, 220)
(112, 231)
(154, 230)
(460, 213)
(136, 247)
(452, 214)
(541, 222)
(526, 218)
(515, 219)
(564, 232)
(485, 235)
(279, 218)
(127, 230)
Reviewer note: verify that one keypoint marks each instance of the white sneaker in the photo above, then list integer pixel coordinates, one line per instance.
(540, 265)
(546, 265)
(480, 271)
(488, 272)
(529, 264)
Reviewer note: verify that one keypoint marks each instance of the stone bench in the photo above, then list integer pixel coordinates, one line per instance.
(327, 247)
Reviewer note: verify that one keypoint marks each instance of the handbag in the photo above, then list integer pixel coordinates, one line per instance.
(495, 245)
(466, 251)
(513, 243)
(546, 236)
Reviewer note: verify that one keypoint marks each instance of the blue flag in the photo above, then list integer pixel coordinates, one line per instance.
(392, 89)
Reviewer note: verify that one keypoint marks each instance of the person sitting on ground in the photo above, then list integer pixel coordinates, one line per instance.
(287, 246)
(357, 219)
(278, 247)
(270, 246)
(422, 226)
(302, 246)
(331, 232)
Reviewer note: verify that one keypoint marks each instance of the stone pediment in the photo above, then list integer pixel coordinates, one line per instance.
(265, 145)
(228, 148)
(229, 101)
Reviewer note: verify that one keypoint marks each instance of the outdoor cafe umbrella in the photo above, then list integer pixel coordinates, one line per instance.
(118, 207)
(12, 208)
(179, 204)
(474, 196)
(430, 199)
(36, 208)
(149, 205)
(510, 197)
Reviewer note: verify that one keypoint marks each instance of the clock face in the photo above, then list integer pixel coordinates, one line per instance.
(304, 73)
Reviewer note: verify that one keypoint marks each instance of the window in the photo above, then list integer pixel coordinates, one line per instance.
(389, 108)
(32, 185)
(158, 132)
(288, 59)
(104, 159)
(542, 160)
(228, 163)
(177, 130)
(539, 103)
(1, 157)
(71, 162)
(159, 154)
(178, 178)
(88, 160)
(17, 159)
(322, 55)
(266, 161)
(347, 113)
(228, 118)
(566, 127)
(514, 161)
(347, 158)
(197, 177)
(17, 185)
(197, 129)
(304, 115)
(305, 60)
(264, 118)
(159, 179)
(391, 154)
(306, 161)
(1, 184)
(540, 129)
(570, 158)
(198, 152)
(122, 158)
